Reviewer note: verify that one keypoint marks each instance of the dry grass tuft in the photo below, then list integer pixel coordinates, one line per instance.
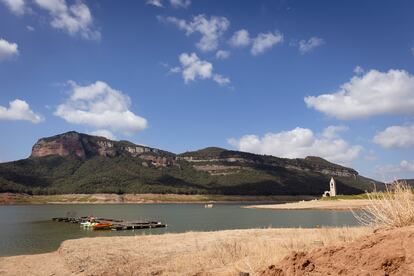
(232, 255)
(392, 208)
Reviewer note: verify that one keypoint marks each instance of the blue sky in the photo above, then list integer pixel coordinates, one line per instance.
(287, 78)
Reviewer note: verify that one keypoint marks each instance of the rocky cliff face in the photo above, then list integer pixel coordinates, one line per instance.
(62, 145)
(85, 146)
(215, 161)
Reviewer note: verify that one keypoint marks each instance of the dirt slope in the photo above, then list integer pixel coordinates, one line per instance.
(385, 252)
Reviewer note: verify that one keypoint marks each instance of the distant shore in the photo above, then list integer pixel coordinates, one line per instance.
(194, 253)
(339, 204)
(16, 199)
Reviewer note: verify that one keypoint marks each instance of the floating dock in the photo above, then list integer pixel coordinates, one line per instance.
(116, 224)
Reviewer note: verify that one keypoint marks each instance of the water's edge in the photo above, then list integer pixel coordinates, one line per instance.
(28, 229)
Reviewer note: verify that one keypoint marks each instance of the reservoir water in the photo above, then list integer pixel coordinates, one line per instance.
(28, 229)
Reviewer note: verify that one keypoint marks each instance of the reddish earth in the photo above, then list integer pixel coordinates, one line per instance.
(385, 252)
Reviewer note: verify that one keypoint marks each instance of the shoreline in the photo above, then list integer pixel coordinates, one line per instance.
(225, 252)
(279, 202)
(315, 204)
(24, 199)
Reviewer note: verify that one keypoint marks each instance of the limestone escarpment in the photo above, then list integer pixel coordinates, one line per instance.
(62, 145)
(86, 146)
(220, 161)
(215, 161)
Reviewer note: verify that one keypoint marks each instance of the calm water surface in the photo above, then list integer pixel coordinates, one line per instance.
(28, 229)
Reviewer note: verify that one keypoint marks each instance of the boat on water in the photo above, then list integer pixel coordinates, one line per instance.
(88, 224)
(209, 205)
(102, 226)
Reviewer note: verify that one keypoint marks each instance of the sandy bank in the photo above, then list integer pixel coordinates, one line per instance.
(205, 253)
(12, 198)
(340, 204)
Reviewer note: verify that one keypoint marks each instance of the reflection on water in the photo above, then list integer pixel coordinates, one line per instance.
(28, 229)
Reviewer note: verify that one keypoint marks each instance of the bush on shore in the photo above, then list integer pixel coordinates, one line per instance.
(392, 208)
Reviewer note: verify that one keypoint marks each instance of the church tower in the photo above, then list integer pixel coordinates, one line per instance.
(332, 186)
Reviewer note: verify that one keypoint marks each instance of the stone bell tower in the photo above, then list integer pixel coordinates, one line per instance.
(332, 187)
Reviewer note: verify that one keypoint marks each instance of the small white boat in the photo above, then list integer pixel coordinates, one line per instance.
(86, 224)
(209, 205)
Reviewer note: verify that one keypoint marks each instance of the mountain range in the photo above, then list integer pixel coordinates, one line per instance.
(74, 162)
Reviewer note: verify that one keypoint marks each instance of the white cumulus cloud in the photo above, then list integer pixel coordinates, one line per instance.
(75, 19)
(221, 54)
(193, 68)
(396, 137)
(374, 93)
(403, 167)
(7, 49)
(241, 38)
(17, 7)
(333, 131)
(407, 166)
(100, 106)
(299, 143)
(391, 172)
(180, 3)
(221, 79)
(265, 41)
(306, 46)
(19, 110)
(175, 70)
(156, 3)
(211, 29)
(103, 133)
(358, 70)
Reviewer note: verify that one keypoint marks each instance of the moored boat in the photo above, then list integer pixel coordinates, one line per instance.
(102, 226)
(87, 224)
